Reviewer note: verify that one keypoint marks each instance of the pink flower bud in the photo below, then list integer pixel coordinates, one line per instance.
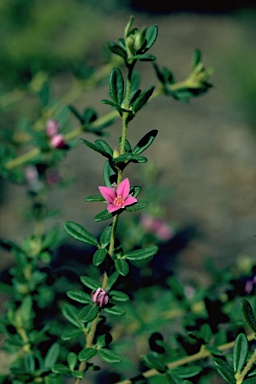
(100, 297)
(58, 141)
(52, 128)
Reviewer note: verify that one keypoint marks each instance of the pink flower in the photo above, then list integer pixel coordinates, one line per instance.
(119, 197)
(100, 297)
(52, 128)
(58, 141)
(157, 227)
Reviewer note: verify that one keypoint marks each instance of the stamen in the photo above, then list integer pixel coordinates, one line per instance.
(119, 201)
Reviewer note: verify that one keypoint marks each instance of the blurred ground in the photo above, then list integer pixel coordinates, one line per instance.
(205, 150)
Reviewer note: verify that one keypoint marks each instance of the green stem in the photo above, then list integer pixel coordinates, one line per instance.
(241, 375)
(91, 334)
(202, 354)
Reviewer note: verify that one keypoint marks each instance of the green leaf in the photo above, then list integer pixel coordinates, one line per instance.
(80, 233)
(142, 99)
(105, 147)
(79, 296)
(95, 147)
(103, 215)
(60, 368)
(117, 49)
(26, 308)
(142, 254)
(119, 296)
(112, 279)
(185, 372)
(99, 256)
(77, 374)
(145, 142)
(143, 57)
(249, 314)
(109, 174)
(116, 85)
(109, 356)
(151, 35)
(50, 238)
(196, 58)
(240, 352)
(155, 362)
(136, 207)
(224, 370)
(52, 355)
(71, 313)
(122, 266)
(93, 198)
(139, 159)
(127, 145)
(90, 282)
(115, 310)
(106, 236)
(72, 360)
(88, 313)
(29, 363)
(122, 158)
(72, 334)
(86, 354)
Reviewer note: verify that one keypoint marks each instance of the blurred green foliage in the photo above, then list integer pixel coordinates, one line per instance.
(48, 35)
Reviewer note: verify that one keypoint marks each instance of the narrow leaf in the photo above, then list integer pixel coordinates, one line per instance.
(105, 236)
(122, 266)
(109, 356)
(88, 313)
(72, 360)
(185, 372)
(115, 310)
(103, 215)
(117, 49)
(72, 334)
(248, 314)
(142, 99)
(95, 147)
(104, 146)
(119, 296)
(155, 362)
(145, 142)
(224, 370)
(90, 282)
(141, 254)
(93, 198)
(151, 35)
(52, 355)
(86, 354)
(136, 207)
(79, 296)
(240, 352)
(80, 233)
(99, 256)
(116, 85)
(70, 312)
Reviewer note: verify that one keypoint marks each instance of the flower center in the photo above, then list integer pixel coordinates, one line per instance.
(119, 201)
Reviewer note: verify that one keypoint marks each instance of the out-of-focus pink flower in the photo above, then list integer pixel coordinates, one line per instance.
(52, 128)
(52, 177)
(250, 285)
(100, 297)
(157, 226)
(119, 197)
(32, 178)
(58, 141)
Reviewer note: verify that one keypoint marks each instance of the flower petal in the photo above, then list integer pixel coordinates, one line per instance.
(123, 188)
(130, 200)
(109, 194)
(113, 208)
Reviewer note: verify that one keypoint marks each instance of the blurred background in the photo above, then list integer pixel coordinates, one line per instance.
(205, 152)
